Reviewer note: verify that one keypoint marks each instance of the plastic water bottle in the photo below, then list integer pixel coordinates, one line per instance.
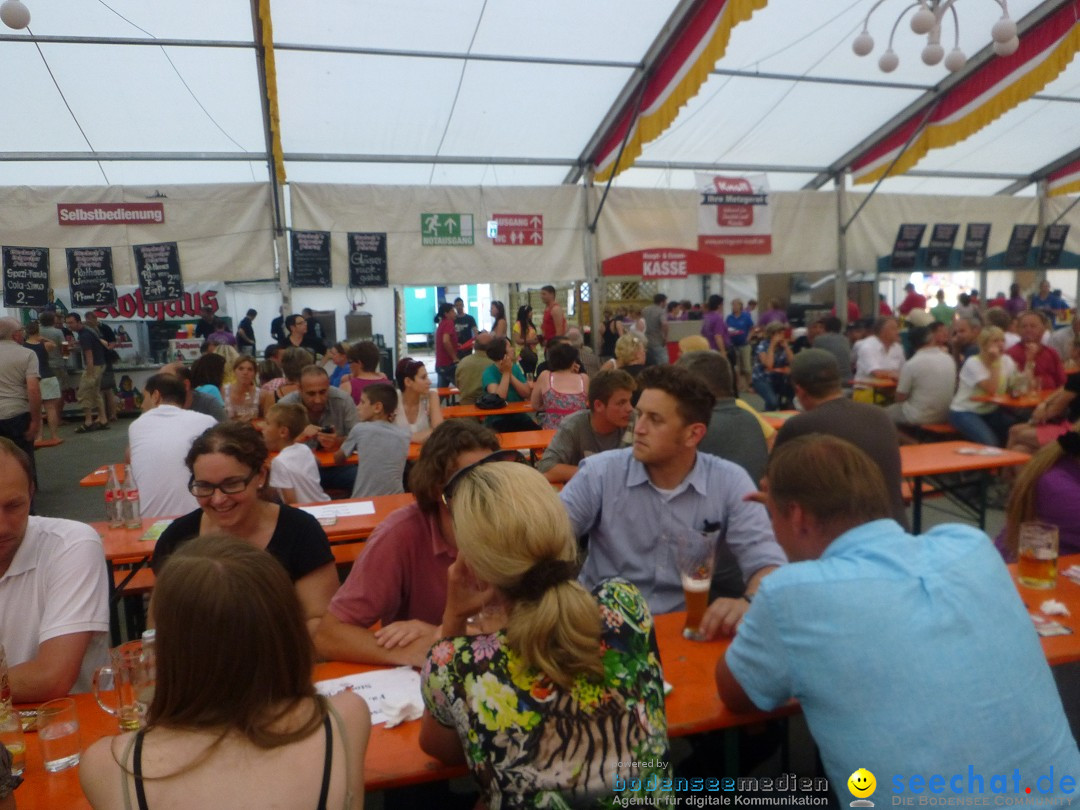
(114, 495)
(131, 512)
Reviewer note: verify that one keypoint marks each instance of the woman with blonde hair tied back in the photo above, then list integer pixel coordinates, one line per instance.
(562, 702)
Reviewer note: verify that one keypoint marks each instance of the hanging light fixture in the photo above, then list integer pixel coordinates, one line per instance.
(14, 14)
(926, 21)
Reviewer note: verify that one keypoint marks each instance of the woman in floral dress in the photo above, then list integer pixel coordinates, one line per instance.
(558, 700)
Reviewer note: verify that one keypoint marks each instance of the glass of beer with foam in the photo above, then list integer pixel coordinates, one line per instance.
(1037, 555)
(695, 553)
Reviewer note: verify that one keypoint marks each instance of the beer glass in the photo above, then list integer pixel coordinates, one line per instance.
(131, 674)
(694, 554)
(1037, 558)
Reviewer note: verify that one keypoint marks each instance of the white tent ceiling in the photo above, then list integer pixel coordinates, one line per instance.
(481, 92)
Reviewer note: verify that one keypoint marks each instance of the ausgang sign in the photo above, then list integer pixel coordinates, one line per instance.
(662, 263)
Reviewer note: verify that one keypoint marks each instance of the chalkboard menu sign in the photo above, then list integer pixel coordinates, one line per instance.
(1053, 245)
(367, 260)
(90, 276)
(976, 240)
(158, 269)
(939, 250)
(1016, 254)
(26, 276)
(311, 259)
(906, 249)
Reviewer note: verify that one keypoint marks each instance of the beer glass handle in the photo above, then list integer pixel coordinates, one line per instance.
(107, 674)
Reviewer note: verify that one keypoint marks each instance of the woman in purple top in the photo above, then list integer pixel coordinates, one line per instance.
(1047, 490)
(774, 314)
(1016, 303)
(712, 325)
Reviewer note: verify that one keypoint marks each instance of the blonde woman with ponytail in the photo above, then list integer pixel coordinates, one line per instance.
(563, 702)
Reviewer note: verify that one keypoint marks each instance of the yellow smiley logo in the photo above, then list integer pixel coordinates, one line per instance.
(861, 783)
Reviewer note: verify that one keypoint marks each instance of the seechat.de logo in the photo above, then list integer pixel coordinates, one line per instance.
(862, 784)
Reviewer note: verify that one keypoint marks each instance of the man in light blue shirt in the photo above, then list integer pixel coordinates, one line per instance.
(633, 502)
(912, 657)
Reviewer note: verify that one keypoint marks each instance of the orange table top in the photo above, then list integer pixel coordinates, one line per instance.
(776, 419)
(464, 411)
(1029, 400)
(939, 458)
(394, 757)
(448, 391)
(875, 382)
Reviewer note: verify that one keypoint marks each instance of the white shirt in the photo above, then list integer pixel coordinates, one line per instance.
(160, 440)
(295, 468)
(871, 355)
(55, 586)
(929, 380)
(423, 418)
(971, 374)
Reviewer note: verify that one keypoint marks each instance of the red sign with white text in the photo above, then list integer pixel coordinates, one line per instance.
(662, 263)
(519, 229)
(110, 213)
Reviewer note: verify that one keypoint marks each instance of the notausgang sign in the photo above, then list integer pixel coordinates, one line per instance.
(657, 263)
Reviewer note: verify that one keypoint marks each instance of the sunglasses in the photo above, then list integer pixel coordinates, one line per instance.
(463, 473)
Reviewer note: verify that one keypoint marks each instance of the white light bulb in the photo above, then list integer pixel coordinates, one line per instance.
(955, 61)
(1003, 30)
(14, 14)
(888, 61)
(1007, 48)
(933, 53)
(863, 44)
(923, 20)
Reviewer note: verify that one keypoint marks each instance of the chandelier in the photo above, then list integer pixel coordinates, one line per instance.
(927, 21)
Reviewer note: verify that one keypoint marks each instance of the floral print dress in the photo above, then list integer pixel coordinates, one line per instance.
(529, 742)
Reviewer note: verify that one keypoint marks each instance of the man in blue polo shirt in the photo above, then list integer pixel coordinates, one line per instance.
(912, 657)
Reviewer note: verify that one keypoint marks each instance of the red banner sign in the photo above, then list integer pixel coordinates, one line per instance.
(519, 229)
(662, 263)
(110, 213)
(131, 306)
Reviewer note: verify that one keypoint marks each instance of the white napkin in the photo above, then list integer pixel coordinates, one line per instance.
(1052, 607)
(398, 709)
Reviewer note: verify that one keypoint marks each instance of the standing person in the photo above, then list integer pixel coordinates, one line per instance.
(277, 327)
(245, 333)
(20, 391)
(158, 444)
(1033, 357)
(382, 448)
(465, 327)
(559, 391)
(774, 314)
(713, 326)
(740, 324)
(1016, 303)
(89, 393)
(613, 330)
(211, 740)
(913, 300)
(656, 331)
(526, 341)
(499, 326)
(205, 324)
(883, 306)
(228, 466)
(942, 312)
(50, 386)
(316, 337)
(859, 597)
(53, 334)
(553, 323)
(221, 336)
(988, 372)
(106, 335)
(364, 358)
(446, 345)
(559, 654)
(418, 409)
(625, 499)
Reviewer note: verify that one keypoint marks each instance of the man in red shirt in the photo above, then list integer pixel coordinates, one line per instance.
(554, 322)
(1031, 356)
(912, 301)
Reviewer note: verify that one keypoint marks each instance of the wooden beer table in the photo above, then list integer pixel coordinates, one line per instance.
(776, 419)
(919, 461)
(1025, 402)
(471, 411)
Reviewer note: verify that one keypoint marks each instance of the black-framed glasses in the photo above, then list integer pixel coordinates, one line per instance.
(460, 475)
(230, 486)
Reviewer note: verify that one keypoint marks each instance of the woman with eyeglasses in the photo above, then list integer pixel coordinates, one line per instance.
(566, 696)
(418, 403)
(228, 465)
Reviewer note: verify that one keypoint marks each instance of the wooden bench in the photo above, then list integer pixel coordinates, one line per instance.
(938, 432)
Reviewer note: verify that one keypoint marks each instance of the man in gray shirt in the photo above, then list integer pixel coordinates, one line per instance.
(927, 382)
(602, 427)
(469, 375)
(20, 390)
(656, 331)
(733, 433)
(836, 344)
(331, 414)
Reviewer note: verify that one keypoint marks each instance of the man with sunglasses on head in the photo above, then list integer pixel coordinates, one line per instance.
(627, 500)
(400, 579)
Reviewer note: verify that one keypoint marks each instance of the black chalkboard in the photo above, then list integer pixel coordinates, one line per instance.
(906, 248)
(367, 260)
(1053, 245)
(1016, 254)
(90, 276)
(158, 269)
(26, 276)
(976, 240)
(939, 249)
(311, 259)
